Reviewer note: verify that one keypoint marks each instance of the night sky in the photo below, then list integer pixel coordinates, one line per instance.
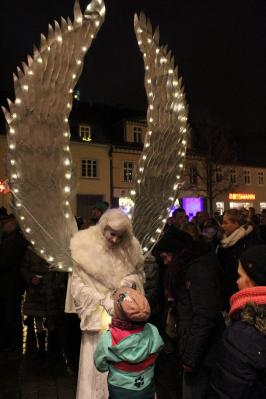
(219, 47)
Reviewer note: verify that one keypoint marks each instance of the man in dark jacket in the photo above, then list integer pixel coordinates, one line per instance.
(12, 250)
(194, 280)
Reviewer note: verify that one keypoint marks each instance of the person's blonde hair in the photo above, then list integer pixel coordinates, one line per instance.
(236, 216)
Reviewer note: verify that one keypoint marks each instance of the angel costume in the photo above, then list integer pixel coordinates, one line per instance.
(100, 268)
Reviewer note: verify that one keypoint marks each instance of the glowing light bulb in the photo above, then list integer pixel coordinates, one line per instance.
(59, 39)
(18, 101)
(33, 242)
(28, 230)
(68, 175)
(67, 215)
(22, 217)
(12, 161)
(84, 49)
(50, 258)
(147, 145)
(74, 76)
(133, 192)
(42, 251)
(67, 162)
(11, 146)
(66, 189)
(11, 130)
(78, 62)
(39, 60)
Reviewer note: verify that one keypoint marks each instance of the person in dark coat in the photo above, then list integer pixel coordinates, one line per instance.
(238, 236)
(194, 282)
(240, 371)
(12, 250)
(44, 300)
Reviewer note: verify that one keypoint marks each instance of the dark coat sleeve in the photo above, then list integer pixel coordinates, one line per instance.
(241, 363)
(204, 289)
(12, 250)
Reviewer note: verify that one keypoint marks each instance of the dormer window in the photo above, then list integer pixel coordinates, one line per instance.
(137, 134)
(85, 132)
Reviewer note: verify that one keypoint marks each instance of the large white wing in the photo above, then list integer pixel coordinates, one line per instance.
(159, 173)
(39, 159)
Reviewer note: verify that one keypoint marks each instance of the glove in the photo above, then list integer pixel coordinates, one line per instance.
(127, 282)
(108, 304)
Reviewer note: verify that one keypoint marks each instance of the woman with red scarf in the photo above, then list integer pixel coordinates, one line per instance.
(240, 372)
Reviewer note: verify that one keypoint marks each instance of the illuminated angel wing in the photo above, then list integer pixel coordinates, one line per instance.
(159, 173)
(40, 172)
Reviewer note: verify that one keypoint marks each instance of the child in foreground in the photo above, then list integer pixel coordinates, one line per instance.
(129, 348)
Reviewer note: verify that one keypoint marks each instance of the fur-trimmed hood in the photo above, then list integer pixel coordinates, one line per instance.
(107, 266)
(255, 315)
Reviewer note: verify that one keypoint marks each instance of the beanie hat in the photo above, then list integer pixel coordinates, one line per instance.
(101, 206)
(130, 304)
(253, 261)
(173, 242)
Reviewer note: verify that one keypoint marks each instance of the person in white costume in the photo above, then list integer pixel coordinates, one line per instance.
(107, 256)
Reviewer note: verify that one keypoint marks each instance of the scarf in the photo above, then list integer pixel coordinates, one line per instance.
(237, 235)
(125, 324)
(241, 298)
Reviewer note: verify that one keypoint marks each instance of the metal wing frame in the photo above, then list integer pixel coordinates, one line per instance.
(39, 159)
(159, 174)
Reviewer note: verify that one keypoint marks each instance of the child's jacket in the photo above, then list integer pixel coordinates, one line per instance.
(129, 356)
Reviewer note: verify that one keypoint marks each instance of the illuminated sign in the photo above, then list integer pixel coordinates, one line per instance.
(241, 196)
(4, 189)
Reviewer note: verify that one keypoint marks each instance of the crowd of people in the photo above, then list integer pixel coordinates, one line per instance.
(186, 322)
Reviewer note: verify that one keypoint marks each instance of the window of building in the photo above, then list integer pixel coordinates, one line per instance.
(89, 168)
(218, 174)
(232, 176)
(137, 134)
(85, 132)
(128, 171)
(193, 175)
(260, 177)
(247, 178)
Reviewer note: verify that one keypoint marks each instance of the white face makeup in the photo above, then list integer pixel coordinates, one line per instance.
(113, 237)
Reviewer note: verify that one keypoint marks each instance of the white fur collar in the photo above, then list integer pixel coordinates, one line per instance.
(106, 266)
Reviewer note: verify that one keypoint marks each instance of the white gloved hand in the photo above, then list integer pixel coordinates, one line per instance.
(127, 282)
(108, 304)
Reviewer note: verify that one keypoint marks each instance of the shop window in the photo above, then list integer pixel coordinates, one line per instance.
(233, 176)
(128, 171)
(218, 174)
(193, 175)
(137, 134)
(260, 178)
(89, 168)
(85, 132)
(247, 177)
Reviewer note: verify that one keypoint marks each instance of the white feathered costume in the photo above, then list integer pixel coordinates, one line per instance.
(99, 270)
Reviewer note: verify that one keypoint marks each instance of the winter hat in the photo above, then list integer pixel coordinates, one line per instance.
(173, 242)
(130, 304)
(253, 261)
(101, 206)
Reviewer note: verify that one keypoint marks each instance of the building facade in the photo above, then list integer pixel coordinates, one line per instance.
(106, 146)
